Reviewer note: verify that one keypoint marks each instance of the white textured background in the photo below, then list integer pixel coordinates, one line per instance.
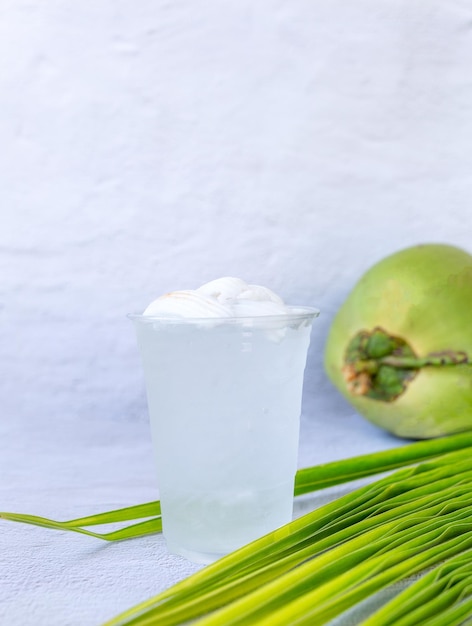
(153, 145)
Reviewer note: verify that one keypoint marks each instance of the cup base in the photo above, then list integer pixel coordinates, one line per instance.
(202, 558)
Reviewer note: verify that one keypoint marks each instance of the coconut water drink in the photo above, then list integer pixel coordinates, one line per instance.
(224, 396)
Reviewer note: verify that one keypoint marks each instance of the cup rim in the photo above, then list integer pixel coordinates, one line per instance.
(294, 313)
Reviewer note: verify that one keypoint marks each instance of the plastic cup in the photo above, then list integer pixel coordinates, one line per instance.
(224, 399)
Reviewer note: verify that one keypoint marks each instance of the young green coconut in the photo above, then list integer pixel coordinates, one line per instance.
(400, 347)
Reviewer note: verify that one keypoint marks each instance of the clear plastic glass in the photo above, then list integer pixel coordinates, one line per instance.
(224, 399)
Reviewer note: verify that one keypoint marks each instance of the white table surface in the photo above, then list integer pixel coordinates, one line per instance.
(64, 469)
